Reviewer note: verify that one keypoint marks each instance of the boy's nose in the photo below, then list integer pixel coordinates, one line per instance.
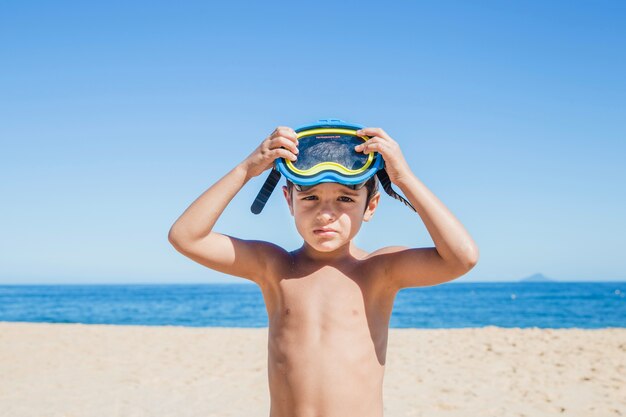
(326, 212)
(326, 218)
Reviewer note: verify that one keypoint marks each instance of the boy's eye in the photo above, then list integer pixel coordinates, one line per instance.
(342, 198)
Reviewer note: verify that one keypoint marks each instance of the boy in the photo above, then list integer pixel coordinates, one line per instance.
(328, 302)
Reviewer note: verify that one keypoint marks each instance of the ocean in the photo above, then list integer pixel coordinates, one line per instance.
(452, 305)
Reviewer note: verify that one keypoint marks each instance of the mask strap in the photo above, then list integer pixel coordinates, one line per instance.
(386, 183)
(265, 192)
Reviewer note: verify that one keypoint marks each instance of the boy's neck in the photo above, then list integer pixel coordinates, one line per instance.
(346, 252)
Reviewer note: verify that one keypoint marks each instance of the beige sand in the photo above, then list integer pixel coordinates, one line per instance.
(101, 370)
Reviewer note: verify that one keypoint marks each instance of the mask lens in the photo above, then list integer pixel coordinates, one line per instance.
(338, 148)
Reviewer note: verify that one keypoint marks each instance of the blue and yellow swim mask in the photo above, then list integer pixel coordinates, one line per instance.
(326, 154)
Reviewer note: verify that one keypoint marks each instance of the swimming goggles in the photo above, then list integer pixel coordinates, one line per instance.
(326, 154)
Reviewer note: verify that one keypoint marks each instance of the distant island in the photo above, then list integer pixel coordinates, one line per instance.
(536, 278)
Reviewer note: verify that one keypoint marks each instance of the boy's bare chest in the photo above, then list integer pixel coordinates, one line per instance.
(328, 298)
(341, 312)
(324, 294)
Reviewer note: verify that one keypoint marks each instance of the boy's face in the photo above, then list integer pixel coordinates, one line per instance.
(330, 206)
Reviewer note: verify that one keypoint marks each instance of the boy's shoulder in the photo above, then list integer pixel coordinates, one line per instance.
(381, 255)
(381, 258)
(272, 250)
(387, 250)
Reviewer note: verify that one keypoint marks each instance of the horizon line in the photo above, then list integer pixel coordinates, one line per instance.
(253, 283)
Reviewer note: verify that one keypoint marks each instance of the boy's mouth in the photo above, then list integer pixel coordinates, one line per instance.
(324, 230)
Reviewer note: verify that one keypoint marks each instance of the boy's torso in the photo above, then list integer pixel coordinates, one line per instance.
(328, 328)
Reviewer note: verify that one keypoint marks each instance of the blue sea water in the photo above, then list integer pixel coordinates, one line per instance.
(452, 305)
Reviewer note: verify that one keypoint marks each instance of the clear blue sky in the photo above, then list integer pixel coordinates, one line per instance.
(116, 115)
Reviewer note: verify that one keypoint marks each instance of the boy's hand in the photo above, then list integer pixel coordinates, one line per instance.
(281, 143)
(395, 164)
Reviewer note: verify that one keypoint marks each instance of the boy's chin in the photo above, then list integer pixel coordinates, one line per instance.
(326, 246)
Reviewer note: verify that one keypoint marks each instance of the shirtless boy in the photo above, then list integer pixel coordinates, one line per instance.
(328, 302)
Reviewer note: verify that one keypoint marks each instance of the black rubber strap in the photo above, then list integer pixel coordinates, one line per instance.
(386, 183)
(266, 191)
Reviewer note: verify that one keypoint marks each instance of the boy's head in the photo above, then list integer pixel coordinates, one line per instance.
(337, 209)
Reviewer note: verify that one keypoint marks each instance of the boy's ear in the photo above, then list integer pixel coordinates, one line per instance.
(288, 198)
(371, 207)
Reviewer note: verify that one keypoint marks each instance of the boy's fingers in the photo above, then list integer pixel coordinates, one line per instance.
(372, 139)
(292, 139)
(362, 145)
(285, 131)
(282, 129)
(279, 141)
(370, 147)
(367, 130)
(374, 144)
(373, 131)
(284, 153)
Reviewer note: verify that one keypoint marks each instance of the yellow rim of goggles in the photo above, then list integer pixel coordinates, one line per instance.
(329, 165)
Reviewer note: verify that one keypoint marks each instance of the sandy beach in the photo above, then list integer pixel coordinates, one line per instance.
(74, 370)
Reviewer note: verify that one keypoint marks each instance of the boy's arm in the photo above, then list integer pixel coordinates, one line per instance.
(193, 236)
(454, 254)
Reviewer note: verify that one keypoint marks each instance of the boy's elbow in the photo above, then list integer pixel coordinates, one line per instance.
(468, 258)
(471, 257)
(173, 237)
(177, 242)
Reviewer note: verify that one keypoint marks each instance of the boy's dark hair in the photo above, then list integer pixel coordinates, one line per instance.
(371, 185)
